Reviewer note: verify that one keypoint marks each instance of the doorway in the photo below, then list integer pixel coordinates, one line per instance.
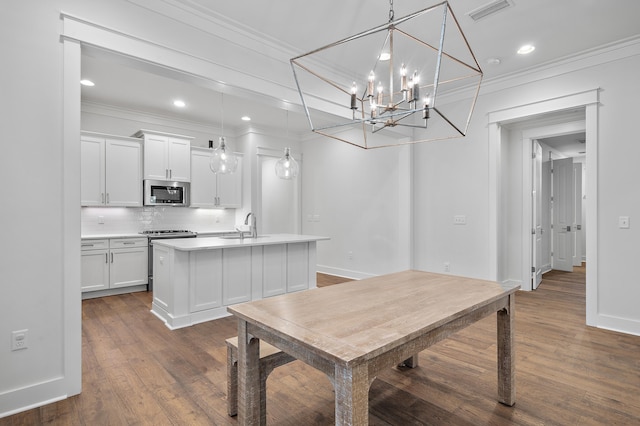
(510, 254)
(558, 213)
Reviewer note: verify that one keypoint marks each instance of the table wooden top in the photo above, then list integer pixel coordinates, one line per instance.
(357, 320)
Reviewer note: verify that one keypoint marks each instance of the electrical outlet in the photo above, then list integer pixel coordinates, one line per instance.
(19, 340)
(350, 255)
(100, 220)
(460, 220)
(447, 267)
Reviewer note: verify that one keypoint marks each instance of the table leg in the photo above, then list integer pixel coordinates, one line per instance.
(249, 394)
(506, 354)
(352, 395)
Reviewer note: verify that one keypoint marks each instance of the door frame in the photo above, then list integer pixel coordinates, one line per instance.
(528, 136)
(589, 100)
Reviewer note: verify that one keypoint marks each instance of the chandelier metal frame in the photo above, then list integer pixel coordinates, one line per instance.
(372, 112)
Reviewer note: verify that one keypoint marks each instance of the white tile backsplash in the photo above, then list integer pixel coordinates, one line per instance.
(120, 220)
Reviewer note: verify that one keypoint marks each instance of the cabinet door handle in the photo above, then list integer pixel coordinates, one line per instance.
(166, 173)
(102, 197)
(106, 258)
(128, 242)
(170, 173)
(107, 198)
(111, 257)
(87, 245)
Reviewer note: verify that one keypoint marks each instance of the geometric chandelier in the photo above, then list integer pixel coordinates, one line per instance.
(412, 79)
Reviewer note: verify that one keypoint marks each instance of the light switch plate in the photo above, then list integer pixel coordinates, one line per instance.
(623, 222)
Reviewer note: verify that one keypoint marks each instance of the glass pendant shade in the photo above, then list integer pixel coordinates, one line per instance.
(287, 167)
(223, 160)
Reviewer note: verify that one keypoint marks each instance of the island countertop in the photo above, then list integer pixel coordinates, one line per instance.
(209, 243)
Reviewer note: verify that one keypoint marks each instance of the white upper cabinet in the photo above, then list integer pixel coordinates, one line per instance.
(166, 156)
(213, 190)
(111, 170)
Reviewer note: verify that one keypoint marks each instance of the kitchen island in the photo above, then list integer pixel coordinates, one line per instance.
(195, 279)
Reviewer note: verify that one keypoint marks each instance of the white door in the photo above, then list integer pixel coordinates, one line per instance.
(577, 213)
(546, 216)
(563, 206)
(536, 226)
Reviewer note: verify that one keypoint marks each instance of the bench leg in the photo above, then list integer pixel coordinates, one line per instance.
(410, 362)
(232, 383)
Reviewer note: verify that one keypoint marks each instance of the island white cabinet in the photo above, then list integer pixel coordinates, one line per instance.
(111, 170)
(213, 190)
(166, 156)
(194, 281)
(114, 265)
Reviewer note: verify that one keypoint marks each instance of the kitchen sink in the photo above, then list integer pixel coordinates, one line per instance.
(237, 237)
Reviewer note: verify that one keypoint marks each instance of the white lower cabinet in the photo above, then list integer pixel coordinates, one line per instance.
(274, 270)
(94, 265)
(113, 263)
(192, 286)
(236, 275)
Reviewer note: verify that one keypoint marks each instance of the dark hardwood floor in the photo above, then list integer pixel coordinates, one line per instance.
(136, 371)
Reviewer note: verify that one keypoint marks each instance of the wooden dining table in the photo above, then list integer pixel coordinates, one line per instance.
(353, 331)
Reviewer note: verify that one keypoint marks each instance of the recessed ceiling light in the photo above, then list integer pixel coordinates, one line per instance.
(86, 82)
(245, 118)
(179, 103)
(526, 49)
(493, 61)
(384, 56)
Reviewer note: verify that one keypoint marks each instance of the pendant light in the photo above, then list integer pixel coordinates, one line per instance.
(223, 160)
(287, 167)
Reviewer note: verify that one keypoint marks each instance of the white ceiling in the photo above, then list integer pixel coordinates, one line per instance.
(558, 29)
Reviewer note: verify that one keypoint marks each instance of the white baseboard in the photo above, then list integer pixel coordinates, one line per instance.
(622, 325)
(345, 273)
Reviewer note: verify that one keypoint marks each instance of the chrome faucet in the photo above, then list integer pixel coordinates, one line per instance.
(254, 227)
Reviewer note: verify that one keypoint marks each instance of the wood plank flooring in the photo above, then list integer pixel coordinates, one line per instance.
(137, 372)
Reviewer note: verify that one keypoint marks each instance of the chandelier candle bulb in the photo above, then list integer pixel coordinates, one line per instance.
(416, 86)
(354, 89)
(380, 94)
(425, 109)
(403, 78)
(372, 79)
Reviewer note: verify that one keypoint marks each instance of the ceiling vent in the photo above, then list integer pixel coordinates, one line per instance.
(489, 9)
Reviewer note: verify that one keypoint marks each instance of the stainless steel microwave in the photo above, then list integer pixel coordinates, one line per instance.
(165, 193)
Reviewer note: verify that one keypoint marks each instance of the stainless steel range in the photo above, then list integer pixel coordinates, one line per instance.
(162, 234)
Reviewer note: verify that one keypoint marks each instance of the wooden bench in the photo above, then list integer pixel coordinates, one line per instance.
(270, 358)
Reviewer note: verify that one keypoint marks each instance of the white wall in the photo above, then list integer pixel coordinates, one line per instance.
(438, 188)
(361, 200)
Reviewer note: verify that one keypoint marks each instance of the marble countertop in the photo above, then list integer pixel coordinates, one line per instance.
(114, 235)
(208, 243)
(137, 234)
